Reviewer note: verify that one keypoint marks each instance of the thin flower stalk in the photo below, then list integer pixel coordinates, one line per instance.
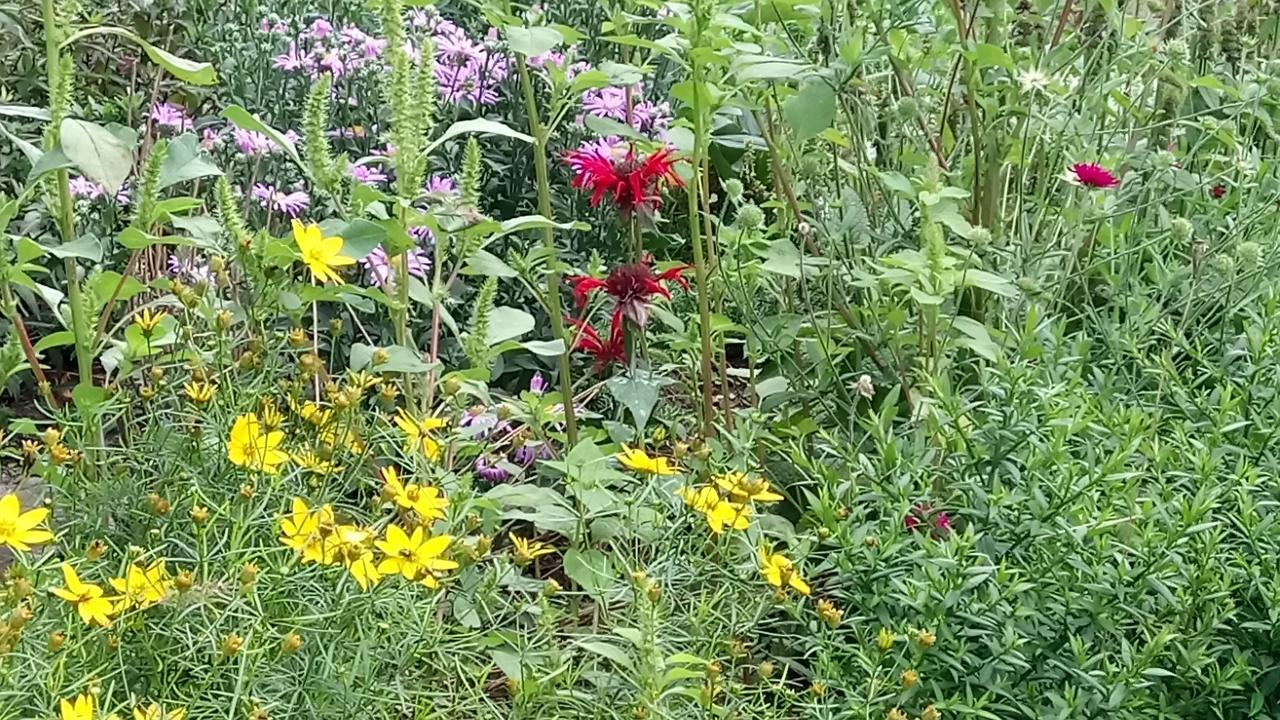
(695, 234)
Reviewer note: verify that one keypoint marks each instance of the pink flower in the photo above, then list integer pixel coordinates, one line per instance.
(922, 517)
(1093, 175)
(251, 142)
(291, 60)
(441, 185)
(368, 175)
(168, 115)
(382, 271)
(291, 204)
(83, 187)
(320, 29)
(210, 139)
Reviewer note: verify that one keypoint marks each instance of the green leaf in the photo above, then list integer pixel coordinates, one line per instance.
(811, 110)
(86, 246)
(546, 348)
(136, 239)
(202, 229)
(483, 262)
(768, 67)
(508, 323)
(53, 160)
(399, 359)
(88, 397)
(622, 73)
(546, 508)
(185, 161)
(360, 237)
(28, 249)
(590, 569)
(784, 258)
(533, 40)
(613, 652)
(987, 55)
(25, 111)
(479, 126)
(61, 338)
(977, 337)
(639, 393)
(189, 71)
(32, 152)
(246, 120)
(990, 282)
(100, 154)
(608, 126)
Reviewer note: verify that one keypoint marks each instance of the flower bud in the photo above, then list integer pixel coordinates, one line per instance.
(248, 574)
(231, 644)
(57, 639)
(766, 669)
(199, 515)
(291, 643)
(159, 505)
(380, 357)
(184, 581)
(910, 678)
(733, 189)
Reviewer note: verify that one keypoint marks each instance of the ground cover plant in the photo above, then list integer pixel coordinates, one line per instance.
(638, 359)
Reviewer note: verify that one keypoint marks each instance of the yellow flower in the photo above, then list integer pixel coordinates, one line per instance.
(321, 254)
(18, 529)
(418, 437)
(637, 460)
(703, 499)
(728, 514)
(885, 639)
(271, 417)
(156, 712)
(742, 488)
(310, 462)
(79, 708)
(253, 448)
(362, 380)
(416, 556)
(200, 392)
(353, 550)
(781, 573)
(428, 501)
(315, 414)
(525, 551)
(142, 588)
(87, 598)
(149, 321)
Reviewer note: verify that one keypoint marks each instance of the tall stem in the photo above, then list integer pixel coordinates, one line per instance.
(66, 217)
(699, 261)
(539, 132)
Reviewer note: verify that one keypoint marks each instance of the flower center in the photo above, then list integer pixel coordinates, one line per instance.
(7, 529)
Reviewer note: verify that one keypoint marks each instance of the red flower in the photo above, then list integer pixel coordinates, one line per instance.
(634, 181)
(605, 353)
(632, 287)
(922, 516)
(1094, 176)
(1218, 192)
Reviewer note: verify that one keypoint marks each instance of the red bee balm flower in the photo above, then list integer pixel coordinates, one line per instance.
(634, 181)
(1218, 192)
(1093, 175)
(632, 287)
(605, 352)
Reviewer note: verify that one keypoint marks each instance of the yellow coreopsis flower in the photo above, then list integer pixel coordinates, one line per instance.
(311, 462)
(525, 551)
(415, 557)
(314, 413)
(427, 501)
(781, 573)
(78, 708)
(728, 514)
(87, 598)
(639, 461)
(200, 392)
(155, 712)
(321, 254)
(142, 588)
(742, 488)
(298, 526)
(148, 321)
(418, 437)
(703, 499)
(353, 550)
(250, 446)
(19, 529)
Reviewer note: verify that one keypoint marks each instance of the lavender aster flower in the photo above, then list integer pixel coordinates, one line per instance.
(83, 187)
(168, 115)
(189, 270)
(290, 61)
(368, 175)
(292, 203)
(210, 139)
(491, 470)
(441, 185)
(382, 271)
(252, 143)
(538, 384)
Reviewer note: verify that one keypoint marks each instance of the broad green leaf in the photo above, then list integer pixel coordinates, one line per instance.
(185, 161)
(246, 120)
(135, 239)
(478, 126)
(508, 323)
(590, 569)
(483, 262)
(88, 397)
(399, 359)
(189, 71)
(608, 126)
(639, 393)
(622, 73)
(62, 338)
(24, 111)
(768, 67)
(784, 258)
(360, 237)
(531, 41)
(98, 152)
(86, 246)
(546, 348)
(987, 55)
(811, 110)
(28, 249)
(32, 152)
(977, 337)
(613, 652)
(201, 228)
(990, 282)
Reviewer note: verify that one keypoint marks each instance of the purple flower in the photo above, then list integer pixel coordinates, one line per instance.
(922, 517)
(210, 139)
(528, 454)
(292, 204)
(368, 175)
(538, 384)
(382, 271)
(168, 115)
(83, 187)
(251, 142)
(290, 61)
(422, 234)
(441, 185)
(320, 29)
(480, 422)
(189, 270)
(606, 102)
(490, 470)
(124, 195)
(291, 136)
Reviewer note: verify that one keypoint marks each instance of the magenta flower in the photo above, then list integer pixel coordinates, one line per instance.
(606, 102)
(168, 115)
(441, 185)
(210, 139)
(368, 174)
(1092, 175)
(538, 384)
(382, 271)
(83, 187)
(291, 204)
(291, 60)
(491, 470)
(922, 517)
(251, 142)
(320, 29)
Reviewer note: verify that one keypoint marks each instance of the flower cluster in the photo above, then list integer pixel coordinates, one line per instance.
(645, 116)
(170, 116)
(467, 70)
(276, 200)
(632, 289)
(727, 502)
(140, 588)
(322, 48)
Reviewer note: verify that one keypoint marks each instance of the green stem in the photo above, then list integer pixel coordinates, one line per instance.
(699, 262)
(539, 132)
(66, 218)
